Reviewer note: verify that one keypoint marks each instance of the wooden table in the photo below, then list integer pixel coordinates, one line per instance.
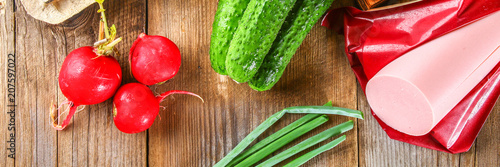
(189, 133)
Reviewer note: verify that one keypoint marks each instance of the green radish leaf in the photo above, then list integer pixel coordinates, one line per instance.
(112, 31)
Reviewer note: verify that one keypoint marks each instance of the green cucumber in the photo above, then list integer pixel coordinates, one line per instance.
(226, 20)
(295, 29)
(254, 36)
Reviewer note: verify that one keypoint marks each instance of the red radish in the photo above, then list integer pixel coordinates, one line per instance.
(86, 78)
(135, 107)
(88, 75)
(154, 59)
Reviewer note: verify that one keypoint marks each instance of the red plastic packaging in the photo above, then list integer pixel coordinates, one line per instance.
(376, 38)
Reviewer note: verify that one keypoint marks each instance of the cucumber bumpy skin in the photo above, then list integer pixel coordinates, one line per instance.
(229, 13)
(293, 32)
(252, 40)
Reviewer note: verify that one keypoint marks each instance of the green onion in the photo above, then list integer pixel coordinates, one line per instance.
(262, 153)
(275, 117)
(339, 129)
(275, 136)
(306, 157)
(272, 138)
(324, 110)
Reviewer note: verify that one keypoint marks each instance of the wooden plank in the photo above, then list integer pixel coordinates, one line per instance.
(194, 134)
(73, 142)
(179, 137)
(130, 19)
(36, 88)
(467, 159)
(325, 46)
(446, 159)
(92, 139)
(428, 157)
(487, 146)
(7, 49)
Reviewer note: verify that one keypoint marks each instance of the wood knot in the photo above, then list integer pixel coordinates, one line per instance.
(83, 18)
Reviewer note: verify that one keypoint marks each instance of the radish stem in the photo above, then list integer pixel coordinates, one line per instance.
(105, 47)
(103, 17)
(55, 116)
(339, 129)
(100, 42)
(259, 155)
(162, 97)
(109, 47)
(306, 157)
(101, 30)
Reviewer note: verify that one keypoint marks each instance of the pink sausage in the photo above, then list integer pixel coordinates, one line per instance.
(414, 92)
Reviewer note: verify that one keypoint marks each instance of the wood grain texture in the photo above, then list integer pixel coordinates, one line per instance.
(7, 46)
(188, 132)
(487, 145)
(36, 87)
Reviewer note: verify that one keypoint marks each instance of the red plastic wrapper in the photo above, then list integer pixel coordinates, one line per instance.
(376, 38)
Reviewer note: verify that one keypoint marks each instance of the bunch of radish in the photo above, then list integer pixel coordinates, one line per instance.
(153, 60)
(89, 75)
